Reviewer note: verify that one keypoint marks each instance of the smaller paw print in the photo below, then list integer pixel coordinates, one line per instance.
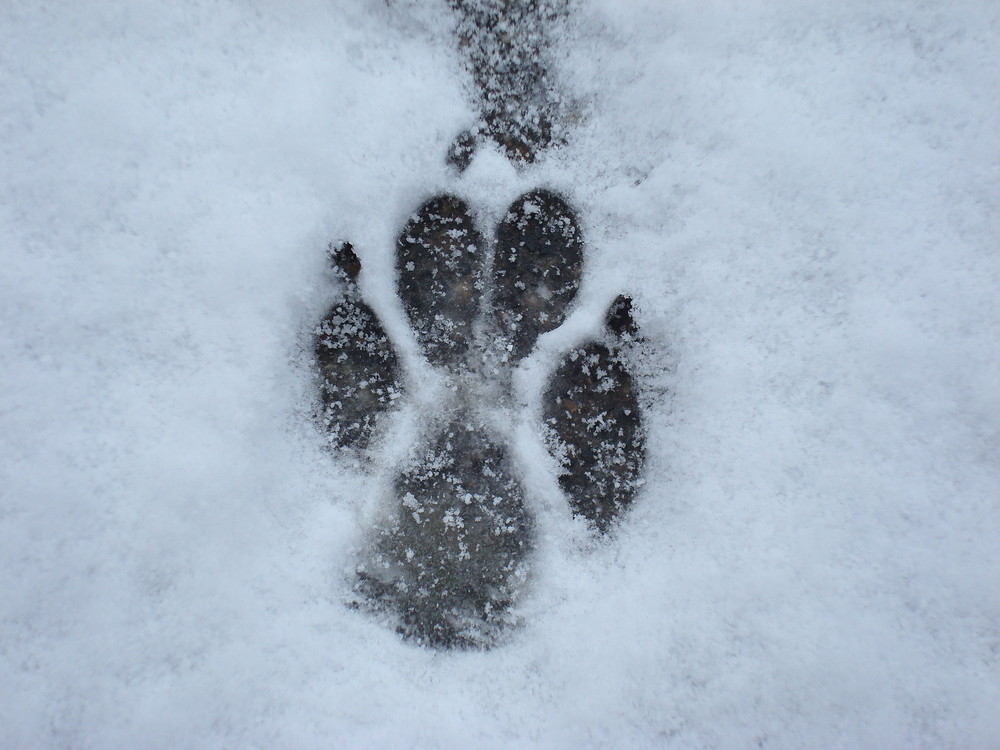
(448, 564)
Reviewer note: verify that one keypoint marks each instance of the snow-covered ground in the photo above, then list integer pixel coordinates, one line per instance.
(801, 195)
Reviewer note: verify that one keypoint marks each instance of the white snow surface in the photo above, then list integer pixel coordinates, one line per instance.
(802, 196)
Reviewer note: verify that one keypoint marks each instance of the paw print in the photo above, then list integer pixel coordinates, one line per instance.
(454, 553)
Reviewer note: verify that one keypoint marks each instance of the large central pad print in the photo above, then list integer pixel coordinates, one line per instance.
(451, 558)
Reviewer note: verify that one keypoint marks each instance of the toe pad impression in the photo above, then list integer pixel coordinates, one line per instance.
(596, 432)
(439, 277)
(536, 270)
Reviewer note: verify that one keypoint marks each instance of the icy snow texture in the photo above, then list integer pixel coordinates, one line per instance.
(800, 195)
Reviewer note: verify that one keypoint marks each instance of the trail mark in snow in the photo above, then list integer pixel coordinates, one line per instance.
(452, 558)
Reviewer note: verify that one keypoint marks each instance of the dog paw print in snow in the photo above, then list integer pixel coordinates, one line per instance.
(454, 553)
(451, 560)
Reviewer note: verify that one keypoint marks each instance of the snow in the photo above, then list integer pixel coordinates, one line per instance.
(801, 196)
